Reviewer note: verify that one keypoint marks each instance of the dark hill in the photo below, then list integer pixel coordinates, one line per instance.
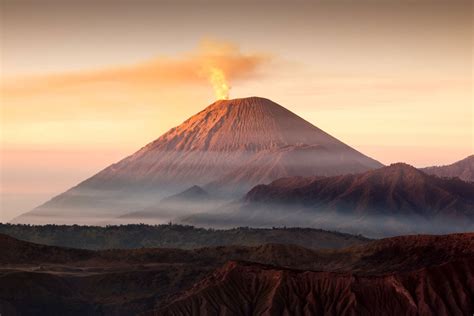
(410, 275)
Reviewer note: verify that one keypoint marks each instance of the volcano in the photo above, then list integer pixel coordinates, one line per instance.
(227, 148)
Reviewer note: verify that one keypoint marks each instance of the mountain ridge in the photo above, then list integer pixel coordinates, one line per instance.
(463, 169)
(393, 200)
(404, 186)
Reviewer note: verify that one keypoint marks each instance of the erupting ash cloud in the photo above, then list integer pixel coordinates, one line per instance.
(212, 62)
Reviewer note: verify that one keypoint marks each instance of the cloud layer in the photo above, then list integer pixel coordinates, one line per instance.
(193, 67)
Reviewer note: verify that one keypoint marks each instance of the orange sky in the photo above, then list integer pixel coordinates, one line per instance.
(86, 83)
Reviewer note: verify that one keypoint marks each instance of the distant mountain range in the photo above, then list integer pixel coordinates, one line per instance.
(398, 189)
(463, 169)
(387, 201)
(227, 148)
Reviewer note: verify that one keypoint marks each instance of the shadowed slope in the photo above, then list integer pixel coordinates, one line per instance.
(394, 190)
(399, 189)
(407, 275)
(250, 289)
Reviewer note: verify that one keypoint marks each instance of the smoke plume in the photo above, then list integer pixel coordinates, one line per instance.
(214, 62)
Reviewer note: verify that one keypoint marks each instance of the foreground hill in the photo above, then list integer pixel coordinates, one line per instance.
(388, 201)
(175, 236)
(226, 148)
(462, 169)
(251, 289)
(409, 275)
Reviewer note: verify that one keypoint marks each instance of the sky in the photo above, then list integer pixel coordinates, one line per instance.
(86, 83)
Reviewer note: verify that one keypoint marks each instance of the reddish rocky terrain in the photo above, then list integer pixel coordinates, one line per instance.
(251, 289)
(412, 275)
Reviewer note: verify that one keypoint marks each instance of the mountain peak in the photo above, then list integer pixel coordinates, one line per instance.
(195, 189)
(400, 167)
(193, 193)
(253, 100)
(251, 103)
(250, 124)
(397, 174)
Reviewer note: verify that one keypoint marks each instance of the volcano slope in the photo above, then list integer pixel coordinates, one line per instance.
(226, 149)
(409, 275)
